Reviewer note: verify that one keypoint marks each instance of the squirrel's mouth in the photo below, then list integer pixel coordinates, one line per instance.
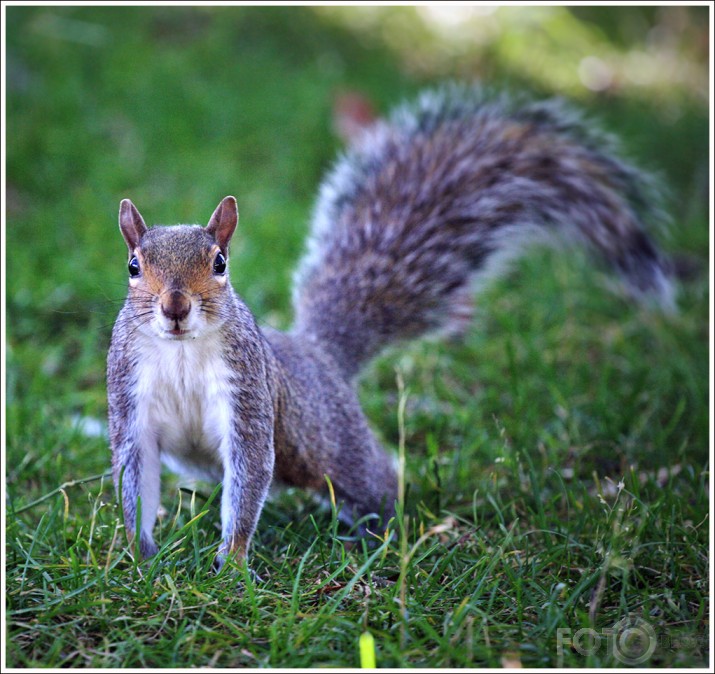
(176, 333)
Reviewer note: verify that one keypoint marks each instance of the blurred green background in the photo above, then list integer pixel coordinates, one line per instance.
(176, 107)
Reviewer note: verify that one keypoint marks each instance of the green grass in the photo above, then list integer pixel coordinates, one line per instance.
(557, 459)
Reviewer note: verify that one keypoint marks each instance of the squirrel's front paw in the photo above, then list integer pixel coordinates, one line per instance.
(222, 557)
(219, 561)
(147, 547)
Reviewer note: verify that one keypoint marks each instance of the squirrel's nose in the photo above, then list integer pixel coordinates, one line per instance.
(175, 305)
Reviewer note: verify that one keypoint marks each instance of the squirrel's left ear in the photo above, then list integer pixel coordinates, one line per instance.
(131, 224)
(223, 223)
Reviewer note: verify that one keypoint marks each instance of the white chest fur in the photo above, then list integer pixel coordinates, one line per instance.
(184, 403)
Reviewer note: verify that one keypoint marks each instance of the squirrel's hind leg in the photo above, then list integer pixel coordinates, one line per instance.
(365, 485)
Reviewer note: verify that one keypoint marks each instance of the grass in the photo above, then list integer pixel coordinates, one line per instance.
(557, 459)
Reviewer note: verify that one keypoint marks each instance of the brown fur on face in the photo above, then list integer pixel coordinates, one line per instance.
(179, 278)
(439, 197)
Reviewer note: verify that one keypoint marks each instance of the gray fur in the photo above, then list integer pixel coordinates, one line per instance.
(424, 205)
(426, 201)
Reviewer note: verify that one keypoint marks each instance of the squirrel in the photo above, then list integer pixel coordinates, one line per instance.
(422, 207)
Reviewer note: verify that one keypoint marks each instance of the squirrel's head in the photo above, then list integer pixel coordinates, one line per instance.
(178, 276)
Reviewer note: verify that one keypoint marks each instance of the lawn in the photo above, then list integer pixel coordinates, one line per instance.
(557, 458)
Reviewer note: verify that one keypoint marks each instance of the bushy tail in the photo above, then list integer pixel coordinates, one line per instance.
(442, 194)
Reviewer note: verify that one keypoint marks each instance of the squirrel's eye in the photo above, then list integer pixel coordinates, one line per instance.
(220, 264)
(133, 266)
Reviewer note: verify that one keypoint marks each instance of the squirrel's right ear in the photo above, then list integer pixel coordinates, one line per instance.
(131, 224)
(223, 223)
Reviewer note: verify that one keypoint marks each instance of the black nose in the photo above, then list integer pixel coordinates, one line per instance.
(176, 306)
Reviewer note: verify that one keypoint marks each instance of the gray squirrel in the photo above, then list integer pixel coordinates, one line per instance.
(423, 207)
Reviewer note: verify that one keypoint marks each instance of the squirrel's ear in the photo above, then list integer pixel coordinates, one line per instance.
(131, 224)
(223, 222)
